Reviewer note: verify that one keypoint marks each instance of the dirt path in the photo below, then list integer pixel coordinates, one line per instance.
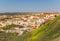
(57, 39)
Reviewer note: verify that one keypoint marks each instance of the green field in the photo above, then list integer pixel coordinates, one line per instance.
(47, 32)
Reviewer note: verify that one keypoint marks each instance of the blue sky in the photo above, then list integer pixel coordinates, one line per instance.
(29, 5)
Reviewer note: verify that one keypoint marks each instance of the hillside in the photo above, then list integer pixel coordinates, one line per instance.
(47, 32)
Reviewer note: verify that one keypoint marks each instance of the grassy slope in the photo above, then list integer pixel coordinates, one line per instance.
(46, 32)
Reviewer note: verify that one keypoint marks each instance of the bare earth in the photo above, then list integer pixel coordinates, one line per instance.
(57, 39)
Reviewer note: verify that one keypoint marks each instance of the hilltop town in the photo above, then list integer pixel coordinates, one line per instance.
(20, 23)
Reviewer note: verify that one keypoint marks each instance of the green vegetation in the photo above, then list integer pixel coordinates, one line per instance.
(47, 32)
(8, 36)
(10, 26)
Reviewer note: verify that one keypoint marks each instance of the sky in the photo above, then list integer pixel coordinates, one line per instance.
(29, 6)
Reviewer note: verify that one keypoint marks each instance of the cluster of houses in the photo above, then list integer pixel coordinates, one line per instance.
(29, 22)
